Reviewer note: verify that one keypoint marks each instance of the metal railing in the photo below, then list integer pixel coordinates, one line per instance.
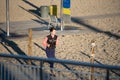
(72, 70)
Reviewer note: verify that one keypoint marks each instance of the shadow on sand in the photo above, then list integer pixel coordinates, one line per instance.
(100, 63)
(108, 33)
(5, 41)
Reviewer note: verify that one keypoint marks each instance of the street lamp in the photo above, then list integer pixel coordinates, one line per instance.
(7, 18)
(61, 15)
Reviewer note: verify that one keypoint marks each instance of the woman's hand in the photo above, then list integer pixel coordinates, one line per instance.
(48, 45)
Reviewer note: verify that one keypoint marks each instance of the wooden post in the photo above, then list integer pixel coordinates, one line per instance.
(29, 45)
(30, 42)
(92, 61)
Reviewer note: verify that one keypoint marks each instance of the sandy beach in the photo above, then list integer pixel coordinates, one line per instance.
(91, 20)
(99, 19)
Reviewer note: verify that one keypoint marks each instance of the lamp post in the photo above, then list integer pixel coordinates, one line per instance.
(7, 18)
(61, 15)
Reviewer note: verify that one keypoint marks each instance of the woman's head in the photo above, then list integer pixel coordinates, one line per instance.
(52, 31)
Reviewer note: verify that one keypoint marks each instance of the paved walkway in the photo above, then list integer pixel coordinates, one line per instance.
(20, 29)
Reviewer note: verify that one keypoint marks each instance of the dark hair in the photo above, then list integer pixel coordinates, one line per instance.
(51, 29)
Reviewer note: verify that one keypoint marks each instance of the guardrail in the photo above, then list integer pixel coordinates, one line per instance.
(38, 72)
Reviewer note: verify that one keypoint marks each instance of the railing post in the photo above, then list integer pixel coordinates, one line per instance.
(41, 71)
(107, 74)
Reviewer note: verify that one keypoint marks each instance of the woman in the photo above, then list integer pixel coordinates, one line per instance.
(50, 43)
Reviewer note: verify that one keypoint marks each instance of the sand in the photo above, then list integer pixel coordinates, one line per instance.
(99, 18)
(72, 47)
(91, 20)
(19, 9)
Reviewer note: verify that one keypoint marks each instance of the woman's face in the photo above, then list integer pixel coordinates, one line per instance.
(53, 32)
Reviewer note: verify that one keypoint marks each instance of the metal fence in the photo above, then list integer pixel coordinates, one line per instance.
(38, 69)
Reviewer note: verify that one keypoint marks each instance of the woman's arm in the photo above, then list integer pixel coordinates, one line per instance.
(57, 41)
(45, 44)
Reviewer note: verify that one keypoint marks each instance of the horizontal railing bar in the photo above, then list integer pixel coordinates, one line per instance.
(105, 66)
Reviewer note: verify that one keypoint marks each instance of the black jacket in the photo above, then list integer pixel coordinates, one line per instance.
(52, 41)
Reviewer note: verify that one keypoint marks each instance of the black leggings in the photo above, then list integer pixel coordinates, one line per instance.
(50, 53)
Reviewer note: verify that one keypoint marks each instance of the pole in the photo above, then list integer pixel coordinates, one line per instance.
(41, 70)
(107, 74)
(61, 15)
(92, 61)
(7, 18)
(29, 44)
